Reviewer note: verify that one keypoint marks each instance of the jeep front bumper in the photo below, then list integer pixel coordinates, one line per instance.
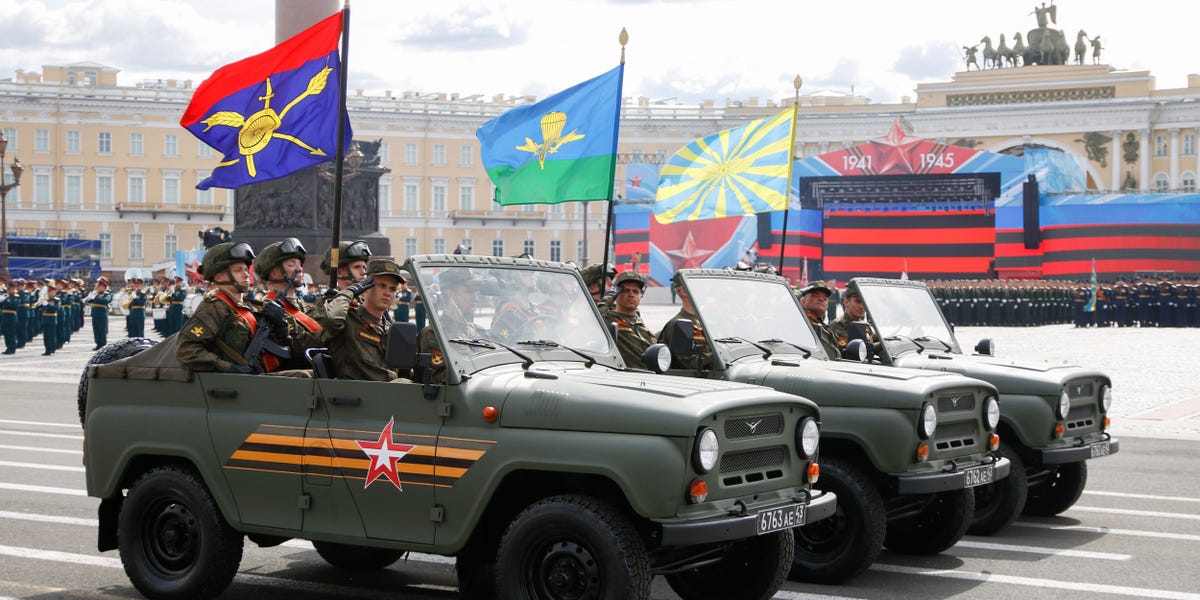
(1108, 445)
(954, 480)
(735, 527)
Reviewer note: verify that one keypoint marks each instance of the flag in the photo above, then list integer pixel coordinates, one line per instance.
(1091, 303)
(904, 273)
(562, 149)
(738, 171)
(273, 113)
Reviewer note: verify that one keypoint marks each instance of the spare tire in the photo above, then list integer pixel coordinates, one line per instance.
(114, 351)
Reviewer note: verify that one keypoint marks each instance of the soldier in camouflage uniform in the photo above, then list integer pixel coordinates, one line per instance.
(854, 311)
(814, 299)
(703, 359)
(351, 268)
(633, 337)
(357, 336)
(281, 266)
(459, 296)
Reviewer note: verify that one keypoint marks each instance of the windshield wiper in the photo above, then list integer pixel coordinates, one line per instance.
(806, 351)
(927, 338)
(491, 345)
(898, 338)
(551, 344)
(734, 339)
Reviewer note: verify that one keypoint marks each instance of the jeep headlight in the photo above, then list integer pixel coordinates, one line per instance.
(1105, 397)
(704, 454)
(1064, 405)
(928, 424)
(657, 358)
(807, 437)
(991, 412)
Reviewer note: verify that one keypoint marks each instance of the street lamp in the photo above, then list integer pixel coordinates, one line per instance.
(17, 169)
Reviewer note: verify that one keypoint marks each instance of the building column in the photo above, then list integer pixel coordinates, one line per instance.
(1117, 160)
(1174, 149)
(1144, 152)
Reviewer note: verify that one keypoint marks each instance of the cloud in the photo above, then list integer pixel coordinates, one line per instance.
(934, 60)
(467, 29)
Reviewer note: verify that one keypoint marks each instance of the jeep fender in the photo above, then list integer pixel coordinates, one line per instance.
(888, 437)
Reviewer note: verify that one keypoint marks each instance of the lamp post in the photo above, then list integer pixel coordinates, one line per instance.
(17, 169)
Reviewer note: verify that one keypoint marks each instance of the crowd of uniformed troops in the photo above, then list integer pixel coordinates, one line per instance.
(52, 309)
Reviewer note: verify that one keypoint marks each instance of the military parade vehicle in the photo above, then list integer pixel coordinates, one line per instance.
(1053, 417)
(902, 450)
(532, 454)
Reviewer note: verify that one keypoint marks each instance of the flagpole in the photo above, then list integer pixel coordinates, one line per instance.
(608, 222)
(787, 207)
(341, 150)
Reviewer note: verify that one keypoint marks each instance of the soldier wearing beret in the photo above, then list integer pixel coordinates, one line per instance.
(357, 335)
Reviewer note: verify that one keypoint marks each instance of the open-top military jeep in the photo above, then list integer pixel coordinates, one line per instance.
(1053, 417)
(901, 449)
(532, 454)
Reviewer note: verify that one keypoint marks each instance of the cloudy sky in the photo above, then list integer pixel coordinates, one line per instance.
(686, 50)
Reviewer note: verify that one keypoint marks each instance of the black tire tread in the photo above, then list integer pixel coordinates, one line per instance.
(117, 350)
(1058, 492)
(1009, 498)
(853, 488)
(938, 527)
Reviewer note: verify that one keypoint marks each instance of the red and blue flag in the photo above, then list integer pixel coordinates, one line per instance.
(274, 113)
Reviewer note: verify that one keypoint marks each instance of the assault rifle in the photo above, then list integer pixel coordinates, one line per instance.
(261, 341)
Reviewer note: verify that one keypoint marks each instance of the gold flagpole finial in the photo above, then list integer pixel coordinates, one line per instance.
(624, 39)
(797, 83)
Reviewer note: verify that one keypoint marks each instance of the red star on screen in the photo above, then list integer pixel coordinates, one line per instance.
(384, 455)
(689, 256)
(893, 152)
(635, 181)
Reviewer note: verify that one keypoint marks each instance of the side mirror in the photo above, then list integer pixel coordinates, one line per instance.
(681, 338)
(855, 350)
(401, 352)
(657, 358)
(858, 331)
(986, 347)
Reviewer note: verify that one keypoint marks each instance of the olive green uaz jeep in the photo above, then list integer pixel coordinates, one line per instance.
(539, 460)
(901, 449)
(1053, 417)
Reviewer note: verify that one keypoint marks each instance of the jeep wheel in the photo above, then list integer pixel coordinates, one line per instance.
(938, 526)
(173, 540)
(998, 504)
(112, 352)
(752, 569)
(1058, 491)
(357, 558)
(475, 567)
(570, 547)
(835, 549)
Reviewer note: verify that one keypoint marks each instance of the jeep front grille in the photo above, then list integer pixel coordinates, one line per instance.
(955, 436)
(956, 402)
(752, 466)
(1080, 390)
(1081, 417)
(757, 426)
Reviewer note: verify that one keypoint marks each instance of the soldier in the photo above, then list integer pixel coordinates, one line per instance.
(66, 308)
(814, 299)
(135, 303)
(175, 300)
(591, 278)
(458, 297)
(1181, 304)
(703, 358)
(351, 267)
(10, 301)
(403, 303)
(358, 336)
(25, 318)
(216, 336)
(98, 301)
(1166, 303)
(281, 267)
(1121, 296)
(47, 310)
(633, 337)
(854, 311)
(835, 297)
(1079, 300)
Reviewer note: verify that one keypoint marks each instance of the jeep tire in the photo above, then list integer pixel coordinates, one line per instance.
(835, 549)
(174, 542)
(998, 504)
(357, 558)
(752, 569)
(1058, 491)
(112, 352)
(572, 547)
(940, 524)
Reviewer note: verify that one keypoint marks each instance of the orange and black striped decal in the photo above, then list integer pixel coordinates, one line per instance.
(336, 453)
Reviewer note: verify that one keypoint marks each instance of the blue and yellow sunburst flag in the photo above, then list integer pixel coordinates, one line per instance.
(273, 113)
(738, 171)
(562, 149)
(1091, 303)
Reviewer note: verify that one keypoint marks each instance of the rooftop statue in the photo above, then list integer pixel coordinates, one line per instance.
(1046, 46)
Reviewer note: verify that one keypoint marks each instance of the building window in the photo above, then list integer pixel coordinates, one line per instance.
(497, 247)
(556, 209)
(105, 245)
(137, 144)
(73, 188)
(556, 250)
(204, 151)
(104, 187)
(1160, 145)
(41, 188)
(385, 155)
(137, 188)
(1189, 144)
(439, 155)
(412, 197)
(466, 156)
(466, 196)
(528, 208)
(135, 246)
(73, 142)
(170, 245)
(410, 154)
(410, 246)
(41, 141)
(10, 133)
(439, 198)
(439, 245)
(104, 143)
(1188, 181)
(204, 197)
(529, 247)
(171, 189)
(171, 146)
(385, 193)
(1162, 183)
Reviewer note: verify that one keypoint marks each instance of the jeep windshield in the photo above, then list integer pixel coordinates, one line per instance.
(488, 315)
(743, 316)
(907, 318)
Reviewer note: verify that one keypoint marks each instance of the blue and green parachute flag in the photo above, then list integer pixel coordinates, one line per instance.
(738, 171)
(562, 149)
(1091, 303)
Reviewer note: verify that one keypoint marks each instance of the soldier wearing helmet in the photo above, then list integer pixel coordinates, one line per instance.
(597, 275)
(216, 336)
(350, 268)
(281, 267)
(98, 301)
(358, 336)
(633, 337)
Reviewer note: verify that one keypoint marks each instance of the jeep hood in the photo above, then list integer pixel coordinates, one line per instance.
(1009, 376)
(572, 397)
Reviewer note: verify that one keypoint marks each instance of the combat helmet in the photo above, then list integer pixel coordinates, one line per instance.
(348, 252)
(383, 267)
(593, 272)
(274, 255)
(224, 255)
(633, 276)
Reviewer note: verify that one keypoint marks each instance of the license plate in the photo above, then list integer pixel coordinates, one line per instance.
(1101, 449)
(781, 518)
(979, 476)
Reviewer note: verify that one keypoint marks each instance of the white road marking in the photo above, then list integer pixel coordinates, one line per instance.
(1049, 584)
(1135, 513)
(66, 557)
(1164, 535)
(37, 449)
(59, 436)
(1041, 550)
(1142, 496)
(8, 514)
(40, 466)
(40, 423)
(21, 487)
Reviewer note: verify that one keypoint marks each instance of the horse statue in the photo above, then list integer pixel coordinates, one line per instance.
(1081, 46)
(970, 52)
(1096, 48)
(1018, 48)
(1046, 47)
(990, 58)
(1004, 54)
